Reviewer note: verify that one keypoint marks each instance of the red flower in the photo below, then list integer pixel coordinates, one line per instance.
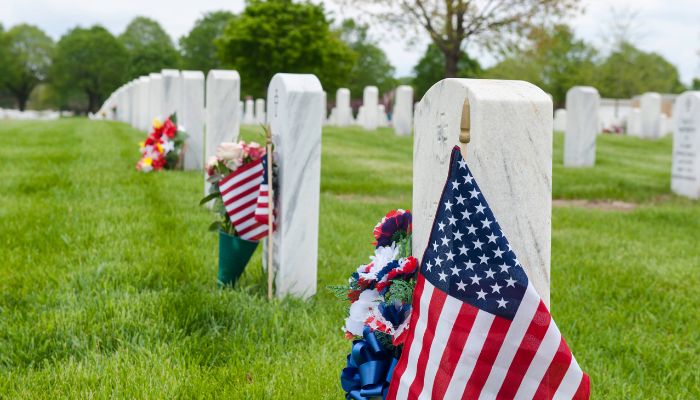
(394, 221)
(169, 129)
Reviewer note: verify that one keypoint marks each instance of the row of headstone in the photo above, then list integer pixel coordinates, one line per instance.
(295, 115)
(371, 114)
(30, 114)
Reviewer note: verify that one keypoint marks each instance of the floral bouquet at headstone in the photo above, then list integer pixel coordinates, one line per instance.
(163, 148)
(380, 294)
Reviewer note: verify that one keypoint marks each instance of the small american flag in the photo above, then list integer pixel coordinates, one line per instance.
(261, 211)
(478, 329)
(240, 191)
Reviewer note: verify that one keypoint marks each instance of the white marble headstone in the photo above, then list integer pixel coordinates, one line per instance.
(560, 120)
(370, 99)
(222, 121)
(382, 119)
(402, 116)
(172, 92)
(510, 156)
(650, 106)
(191, 117)
(582, 126)
(634, 122)
(144, 103)
(249, 113)
(155, 98)
(295, 114)
(342, 106)
(685, 177)
(260, 111)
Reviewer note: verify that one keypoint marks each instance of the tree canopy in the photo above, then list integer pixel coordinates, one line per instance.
(89, 63)
(27, 60)
(283, 36)
(149, 47)
(198, 48)
(371, 66)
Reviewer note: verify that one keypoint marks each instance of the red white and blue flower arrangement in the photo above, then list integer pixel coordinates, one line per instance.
(380, 295)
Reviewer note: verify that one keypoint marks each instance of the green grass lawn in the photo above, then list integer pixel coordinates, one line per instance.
(107, 276)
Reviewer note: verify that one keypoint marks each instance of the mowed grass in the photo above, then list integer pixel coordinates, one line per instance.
(107, 276)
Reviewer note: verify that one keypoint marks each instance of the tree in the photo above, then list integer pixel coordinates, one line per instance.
(89, 62)
(430, 69)
(371, 67)
(150, 48)
(453, 24)
(198, 48)
(27, 62)
(555, 61)
(630, 71)
(282, 36)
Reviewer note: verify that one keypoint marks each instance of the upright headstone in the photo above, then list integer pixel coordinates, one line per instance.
(370, 99)
(582, 126)
(685, 177)
(249, 115)
(325, 108)
(222, 121)
(509, 155)
(342, 107)
(172, 92)
(155, 98)
(382, 119)
(295, 113)
(144, 103)
(260, 111)
(560, 120)
(650, 105)
(191, 117)
(634, 122)
(402, 117)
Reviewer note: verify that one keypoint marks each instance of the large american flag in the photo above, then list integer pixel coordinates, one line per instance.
(478, 329)
(240, 191)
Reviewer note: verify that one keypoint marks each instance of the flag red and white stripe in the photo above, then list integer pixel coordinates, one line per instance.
(240, 191)
(457, 351)
(262, 209)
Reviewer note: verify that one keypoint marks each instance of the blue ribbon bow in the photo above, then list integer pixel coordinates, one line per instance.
(369, 369)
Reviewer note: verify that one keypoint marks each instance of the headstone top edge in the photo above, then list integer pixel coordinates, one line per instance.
(297, 82)
(493, 90)
(192, 74)
(223, 74)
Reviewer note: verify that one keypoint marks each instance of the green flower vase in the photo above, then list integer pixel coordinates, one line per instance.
(234, 254)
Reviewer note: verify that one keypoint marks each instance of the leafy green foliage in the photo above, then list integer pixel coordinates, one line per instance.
(431, 69)
(401, 291)
(281, 36)
(149, 46)
(555, 61)
(629, 71)
(27, 53)
(198, 48)
(89, 65)
(371, 66)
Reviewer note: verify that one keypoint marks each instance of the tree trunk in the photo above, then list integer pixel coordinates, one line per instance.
(22, 101)
(451, 63)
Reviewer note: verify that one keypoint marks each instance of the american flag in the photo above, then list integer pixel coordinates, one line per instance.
(261, 211)
(240, 191)
(478, 329)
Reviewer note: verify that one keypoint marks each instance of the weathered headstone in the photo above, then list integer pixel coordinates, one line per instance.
(650, 106)
(509, 155)
(295, 113)
(560, 120)
(402, 116)
(260, 111)
(582, 126)
(172, 92)
(343, 111)
(685, 177)
(155, 108)
(222, 118)
(370, 99)
(191, 117)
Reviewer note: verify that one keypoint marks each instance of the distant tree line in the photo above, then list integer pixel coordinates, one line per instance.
(86, 64)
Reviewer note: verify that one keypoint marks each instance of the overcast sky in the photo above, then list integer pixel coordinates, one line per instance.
(664, 26)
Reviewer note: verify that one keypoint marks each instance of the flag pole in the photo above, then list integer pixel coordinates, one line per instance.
(270, 213)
